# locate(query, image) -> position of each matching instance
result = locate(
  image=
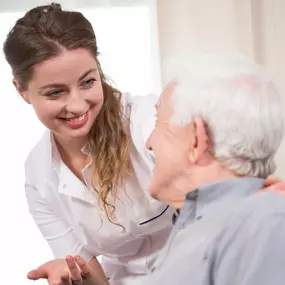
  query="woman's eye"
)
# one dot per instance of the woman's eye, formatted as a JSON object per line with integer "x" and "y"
{"x": 89, "y": 83}
{"x": 54, "y": 93}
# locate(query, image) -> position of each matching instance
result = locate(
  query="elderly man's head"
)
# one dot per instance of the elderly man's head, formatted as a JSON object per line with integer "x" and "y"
{"x": 219, "y": 117}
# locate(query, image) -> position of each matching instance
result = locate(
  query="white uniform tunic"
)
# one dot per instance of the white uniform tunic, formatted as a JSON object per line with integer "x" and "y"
{"x": 67, "y": 212}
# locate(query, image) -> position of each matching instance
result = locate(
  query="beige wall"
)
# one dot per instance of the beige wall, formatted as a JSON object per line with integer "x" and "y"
{"x": 254, "y": 27}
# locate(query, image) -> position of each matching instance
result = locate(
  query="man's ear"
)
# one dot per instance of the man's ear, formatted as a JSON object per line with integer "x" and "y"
{"x": 199, "y": 140}
{"x": 21, "y": 92}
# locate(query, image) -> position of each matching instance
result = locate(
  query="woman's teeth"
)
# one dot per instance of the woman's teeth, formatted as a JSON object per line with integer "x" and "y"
{"x": 77, "y": 119}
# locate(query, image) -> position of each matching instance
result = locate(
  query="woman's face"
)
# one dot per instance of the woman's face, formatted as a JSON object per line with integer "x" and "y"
{"x": 66, "y": 93}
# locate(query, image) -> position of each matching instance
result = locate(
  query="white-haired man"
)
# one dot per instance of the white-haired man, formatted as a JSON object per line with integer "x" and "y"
{"x": 219, "y": 125}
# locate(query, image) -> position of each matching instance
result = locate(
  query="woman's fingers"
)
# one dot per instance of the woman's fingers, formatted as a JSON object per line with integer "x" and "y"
{"x": 75, "y": 274}
{"x": 271, "y": 180}
{"x": 84, "y": 267}
{"x": 65, "y": 278}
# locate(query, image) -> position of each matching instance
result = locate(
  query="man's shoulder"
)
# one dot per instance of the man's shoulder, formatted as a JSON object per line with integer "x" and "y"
{"x": 254, "y": 232}
{"x": 262, "y": 204}
{"x": 255, "y": 213}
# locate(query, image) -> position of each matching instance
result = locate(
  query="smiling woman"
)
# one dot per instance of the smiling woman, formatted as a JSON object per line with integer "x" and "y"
{"x": 66, "y": 93}
{"x": 119, "y": 62}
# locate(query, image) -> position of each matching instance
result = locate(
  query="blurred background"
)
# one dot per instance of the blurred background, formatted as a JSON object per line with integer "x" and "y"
{"x": 134, "y": 38}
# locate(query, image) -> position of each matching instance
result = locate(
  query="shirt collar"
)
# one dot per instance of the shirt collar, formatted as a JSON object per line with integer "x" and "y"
{"x": 201, "y": 199}
{"x": 175, "y": 216}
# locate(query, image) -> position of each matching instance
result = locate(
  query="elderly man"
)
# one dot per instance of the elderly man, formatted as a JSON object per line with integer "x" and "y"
{"x": 219, "y": 125}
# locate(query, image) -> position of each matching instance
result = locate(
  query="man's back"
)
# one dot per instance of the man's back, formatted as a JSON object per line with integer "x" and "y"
{"x": 226, "y": 235}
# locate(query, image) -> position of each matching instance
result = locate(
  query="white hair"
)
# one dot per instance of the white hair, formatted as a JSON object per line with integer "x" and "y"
{"x": 239, "y": 104}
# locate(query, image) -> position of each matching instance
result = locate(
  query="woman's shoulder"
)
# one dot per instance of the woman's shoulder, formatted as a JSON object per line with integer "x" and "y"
{"x": 140, "y": 110}
{"x": 138, "y": 102}
{"x": 40, "y": 155}
{"x": 141, "y": 113}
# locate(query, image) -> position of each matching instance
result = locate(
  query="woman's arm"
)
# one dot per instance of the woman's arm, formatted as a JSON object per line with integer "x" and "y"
{"x": 57, "y": 232}
{"x": 60, "y": 237}
{"x": 72, "y": 269}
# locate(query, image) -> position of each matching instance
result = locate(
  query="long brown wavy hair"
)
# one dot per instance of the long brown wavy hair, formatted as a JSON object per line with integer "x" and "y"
{"x": 43, "y": 33}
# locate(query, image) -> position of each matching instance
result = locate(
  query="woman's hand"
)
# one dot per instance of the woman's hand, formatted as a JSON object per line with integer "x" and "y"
{"x": 51, "y": 270}
{"x": 71, "y": 271}
{"x": 77, "y": 272}
{"x": 81, "y": 272}
{"x": 274, "y": 184}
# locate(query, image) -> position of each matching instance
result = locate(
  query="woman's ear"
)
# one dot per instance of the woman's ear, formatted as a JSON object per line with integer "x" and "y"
{"x": 21, "y": 92}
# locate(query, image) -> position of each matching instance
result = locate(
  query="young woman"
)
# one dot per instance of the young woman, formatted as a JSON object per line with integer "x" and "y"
{"x": 87, "y": 178}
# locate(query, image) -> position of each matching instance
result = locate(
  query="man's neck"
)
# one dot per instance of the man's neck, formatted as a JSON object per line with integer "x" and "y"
{"x": 197, "y": 177}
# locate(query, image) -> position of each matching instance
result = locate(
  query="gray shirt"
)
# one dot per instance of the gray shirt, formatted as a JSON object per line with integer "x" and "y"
{"x": 225, "y": 235}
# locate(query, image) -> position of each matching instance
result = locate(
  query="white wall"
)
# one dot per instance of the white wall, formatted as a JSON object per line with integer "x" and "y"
{"x": 254, "y": 27}
{"x": 129, "y": 57}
